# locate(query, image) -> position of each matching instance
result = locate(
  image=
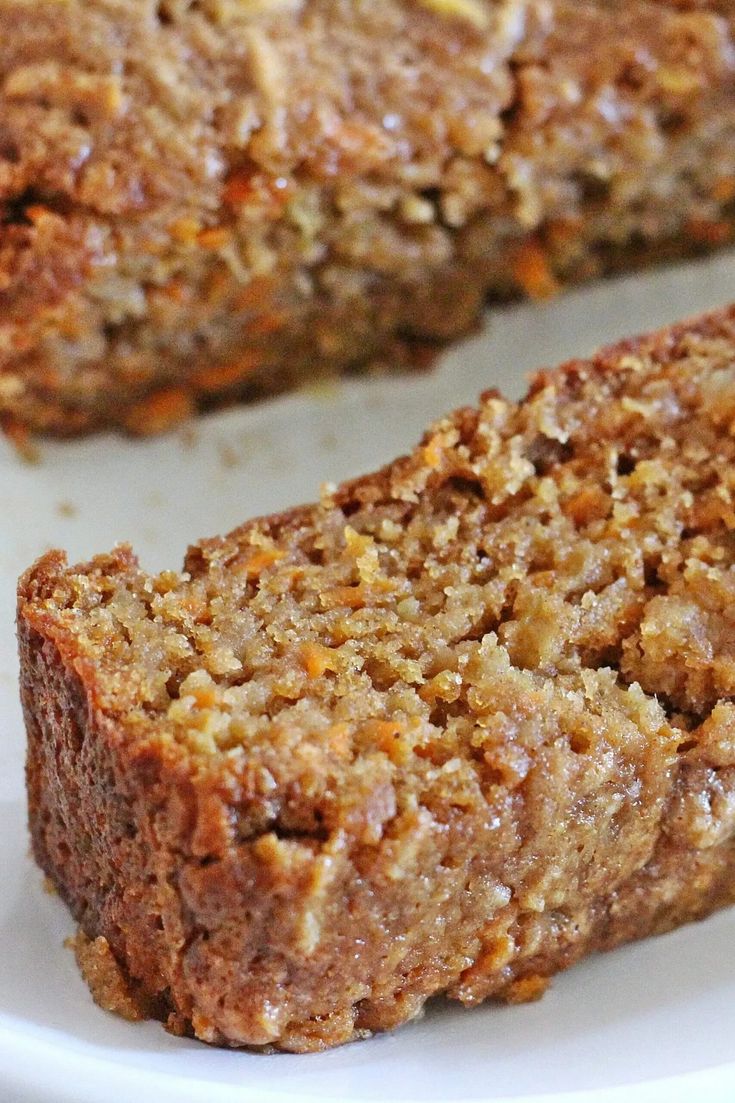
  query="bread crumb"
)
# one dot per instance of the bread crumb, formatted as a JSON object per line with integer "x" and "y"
{"x": 67, "y": 509}
{"x": 228, "y": 456}
{"x": 109, "y": 986}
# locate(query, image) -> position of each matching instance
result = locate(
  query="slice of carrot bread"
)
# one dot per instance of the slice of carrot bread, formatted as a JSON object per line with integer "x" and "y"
{"x": 210, "y": 198}
{"x": 464, "y": 721}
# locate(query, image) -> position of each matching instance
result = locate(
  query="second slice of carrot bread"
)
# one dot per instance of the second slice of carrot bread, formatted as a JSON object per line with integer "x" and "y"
{"x": 459, "y": 724}
{"x": 220, "y": 198}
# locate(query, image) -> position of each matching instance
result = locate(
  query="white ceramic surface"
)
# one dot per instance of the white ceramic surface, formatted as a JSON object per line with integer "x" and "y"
{"x": 652, "y": 1022}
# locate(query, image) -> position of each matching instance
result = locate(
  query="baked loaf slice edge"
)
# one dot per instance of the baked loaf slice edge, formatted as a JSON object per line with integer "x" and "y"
{"x": 454, "y": 727}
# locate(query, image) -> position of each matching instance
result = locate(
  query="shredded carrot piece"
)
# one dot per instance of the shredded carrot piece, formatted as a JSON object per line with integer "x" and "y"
{"x": 432, "y": 453}
{"x": 160, "y": 411}
{"x": 589, "y": 504}
{"x": 22, "y": 340}
{"x": 259, "y": 561}
{"x": 72, "y": 329}
{"x": 217, "y": 376}
{"x": 185, "y": 230}
{"x": 531, "y": 270}
{"x": 317, "y": 659}
{"x": 257, "y": 293}
{"x": 723, "y": 190}
{"x": 351, "y": 596}
{"x": 214, "y": 237}
{"x": 560, "y": 231}
{"x": 386, "y": 734}
{"x": 495, "y": 955}
{"x": 239, "y": 188}
{"x": 205, "y": 696}
{"x": 175, "y": 290}
{"x": 708, "y": 509}
{"x": 268, "y": 323}
{"x": 526, "y": 989}
{"x": 244, "y": 186}
{"x": 36, "y": 212}
{"x": 678, "y": 79}
{"x": 49, "y": 375}
{"x": 709, "y": 231}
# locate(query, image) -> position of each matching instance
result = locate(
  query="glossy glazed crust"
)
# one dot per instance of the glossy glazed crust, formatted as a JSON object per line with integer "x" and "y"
{"x": 207, "y": 201}
{"x": 307, "y": 903}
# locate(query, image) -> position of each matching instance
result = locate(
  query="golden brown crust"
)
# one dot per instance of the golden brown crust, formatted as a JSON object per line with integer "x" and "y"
{"x": 107, "y": 982}
{"x": 210, "y": 200}
{"x": 463, "y": 722}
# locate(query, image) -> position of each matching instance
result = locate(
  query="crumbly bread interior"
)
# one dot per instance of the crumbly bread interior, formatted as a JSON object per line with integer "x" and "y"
{"x": 460, "y": 722}
{"x": 525, "y": 565}
{"x": 201, "y": 199}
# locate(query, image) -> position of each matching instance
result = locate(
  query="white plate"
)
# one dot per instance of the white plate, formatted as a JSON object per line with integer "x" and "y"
{"x": 651, "y": 1022}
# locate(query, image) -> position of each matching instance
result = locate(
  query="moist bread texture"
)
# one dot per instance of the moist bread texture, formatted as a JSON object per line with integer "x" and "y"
{"x": 459, "y": 724}
{"x": 204, "y": 199}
